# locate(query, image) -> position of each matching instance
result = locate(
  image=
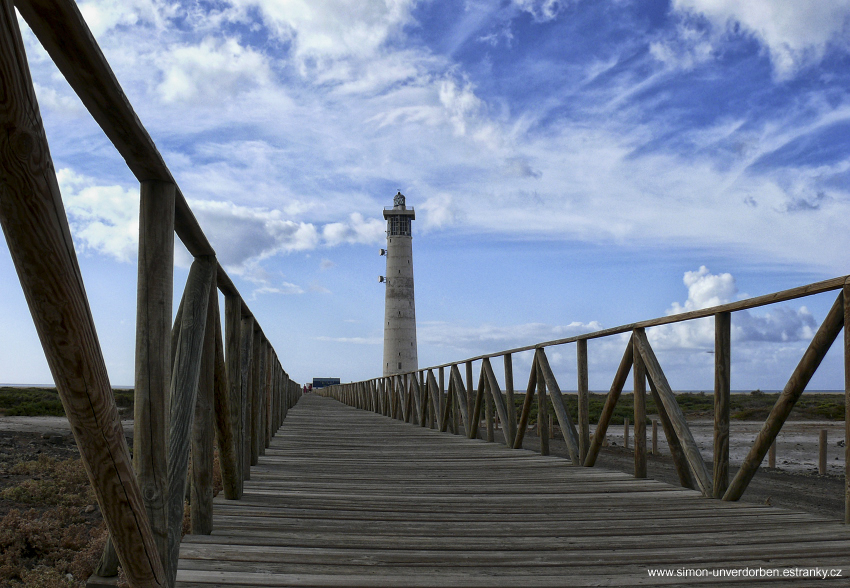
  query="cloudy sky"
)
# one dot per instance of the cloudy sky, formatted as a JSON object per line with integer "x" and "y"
{"x": 573, "y": 164}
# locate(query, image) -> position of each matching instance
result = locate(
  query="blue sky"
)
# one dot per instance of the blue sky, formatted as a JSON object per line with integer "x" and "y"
{"x": 574, "y": 165}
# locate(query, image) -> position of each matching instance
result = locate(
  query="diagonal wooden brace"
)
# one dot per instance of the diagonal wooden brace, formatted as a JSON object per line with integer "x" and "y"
{"x": 568, "y": 429}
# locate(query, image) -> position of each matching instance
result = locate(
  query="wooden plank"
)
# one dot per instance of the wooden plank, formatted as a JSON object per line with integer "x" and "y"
{"x": 184, "y": 388}
{"x": 347, "y": 498}
{"x": 201, "y": 474}
{"x": 722, "y": 390}
{"x": 674, "y": 413}
{"x": 40, "y": 244}
{"x": 568, "y": 430}
{"x": 815, "y": 352}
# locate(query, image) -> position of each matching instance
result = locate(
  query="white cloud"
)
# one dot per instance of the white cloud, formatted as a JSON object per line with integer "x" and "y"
{"x": 489, "y": 338}
{"x": 356, "y": 230}
{"x": 439, "y": 211}
{"x": 326, "y": 264}
{"x": 352, "y": 340}
{"x": 795, "y": 32}
{"x": 103, "y": 15}
{"x": 778, "y": 324}
{"x": 103, "y": 219}
{"x": 541, "y": 10}
{"x": 333, "y": 28}
{"x": 242, "y": 233}
{"x": 213, "y": 70}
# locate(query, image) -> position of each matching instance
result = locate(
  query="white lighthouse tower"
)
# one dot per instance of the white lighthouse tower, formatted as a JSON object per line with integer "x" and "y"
{"x": 400, "y": 311}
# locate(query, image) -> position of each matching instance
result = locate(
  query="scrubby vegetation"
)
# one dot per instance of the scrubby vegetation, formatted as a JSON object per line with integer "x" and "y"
{"x": 51, "y": 536}
{"x": 45, "y": 401}
{"x": 753, "y": 406}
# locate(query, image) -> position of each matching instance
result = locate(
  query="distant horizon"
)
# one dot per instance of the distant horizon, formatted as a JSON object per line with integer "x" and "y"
{"x": 518, "y": 391}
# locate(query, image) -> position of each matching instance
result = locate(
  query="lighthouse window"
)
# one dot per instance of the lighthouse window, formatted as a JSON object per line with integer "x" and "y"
{"x": 398, "y": 225}
{"x": 399, "y": 365}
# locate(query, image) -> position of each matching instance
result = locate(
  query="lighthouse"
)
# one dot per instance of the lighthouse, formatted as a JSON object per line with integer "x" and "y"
{"x": 400, "y": 312}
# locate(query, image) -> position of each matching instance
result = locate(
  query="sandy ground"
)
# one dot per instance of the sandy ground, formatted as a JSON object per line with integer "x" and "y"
{"x": 51, "y": 425}
{"x": 796, "y": 445}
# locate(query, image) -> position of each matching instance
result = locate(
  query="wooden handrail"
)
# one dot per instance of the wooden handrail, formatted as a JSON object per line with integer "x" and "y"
{"x": 639, "y": 359}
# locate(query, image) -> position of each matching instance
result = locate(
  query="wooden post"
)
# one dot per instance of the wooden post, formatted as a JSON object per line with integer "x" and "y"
{"x": 810, "y": 361}
{"x": 496, "y": 396}
{"x": 256, "y": 392}
{"x": 477, "y": 404}
{"x": 225, "y": 432}
{"x": 233, "y": 359}
{"x": 469, "y": 390}
{"x": 246, "y": 352}
{"x": 626, "y": 432}
{"x": 583, "y": 406}
{"x": 509, "y": 426}
{"x": 39, "y": 239}
{"x": 674, "y": 413}
{"x": 184, "y": 388}
{"x": 462, "y": 396}
{"x": 542, "y": 413}
{"x": 488, "y": 415}
{"x": 568, "y": 429}
{"x": 654, "y": 436}
{"x": 771, "y": 455}
{"x": 722, "y": 387}
{"x": 200, "y": 505}
{"x": 639, "y": 374}
{"x": 847, "y": 403}
{"x": 822, "y": 452}
{"x": 610, "y": 403}
{"x": 153, "y": 351}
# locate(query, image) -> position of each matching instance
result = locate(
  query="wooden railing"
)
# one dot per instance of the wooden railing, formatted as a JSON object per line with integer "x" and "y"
{"x": 193, "y": 385}
{"x": 421, "y": 398}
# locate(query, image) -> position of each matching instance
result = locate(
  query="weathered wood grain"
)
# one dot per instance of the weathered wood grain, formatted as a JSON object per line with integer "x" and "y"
{"x": 246, "y": 353}
{"x": 153, "y": 351}
{"x": 226, "y": 396}
{"x": 39, "y": 239}
{"x": 184, "y": 388}
{"x": 200, "y": 504}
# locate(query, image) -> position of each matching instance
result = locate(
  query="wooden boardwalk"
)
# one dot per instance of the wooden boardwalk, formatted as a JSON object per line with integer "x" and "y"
{"x": 344, "y": 498}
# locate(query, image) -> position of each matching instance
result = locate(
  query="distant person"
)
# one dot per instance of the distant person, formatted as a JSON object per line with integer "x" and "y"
{"x": 305, "y": 389}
